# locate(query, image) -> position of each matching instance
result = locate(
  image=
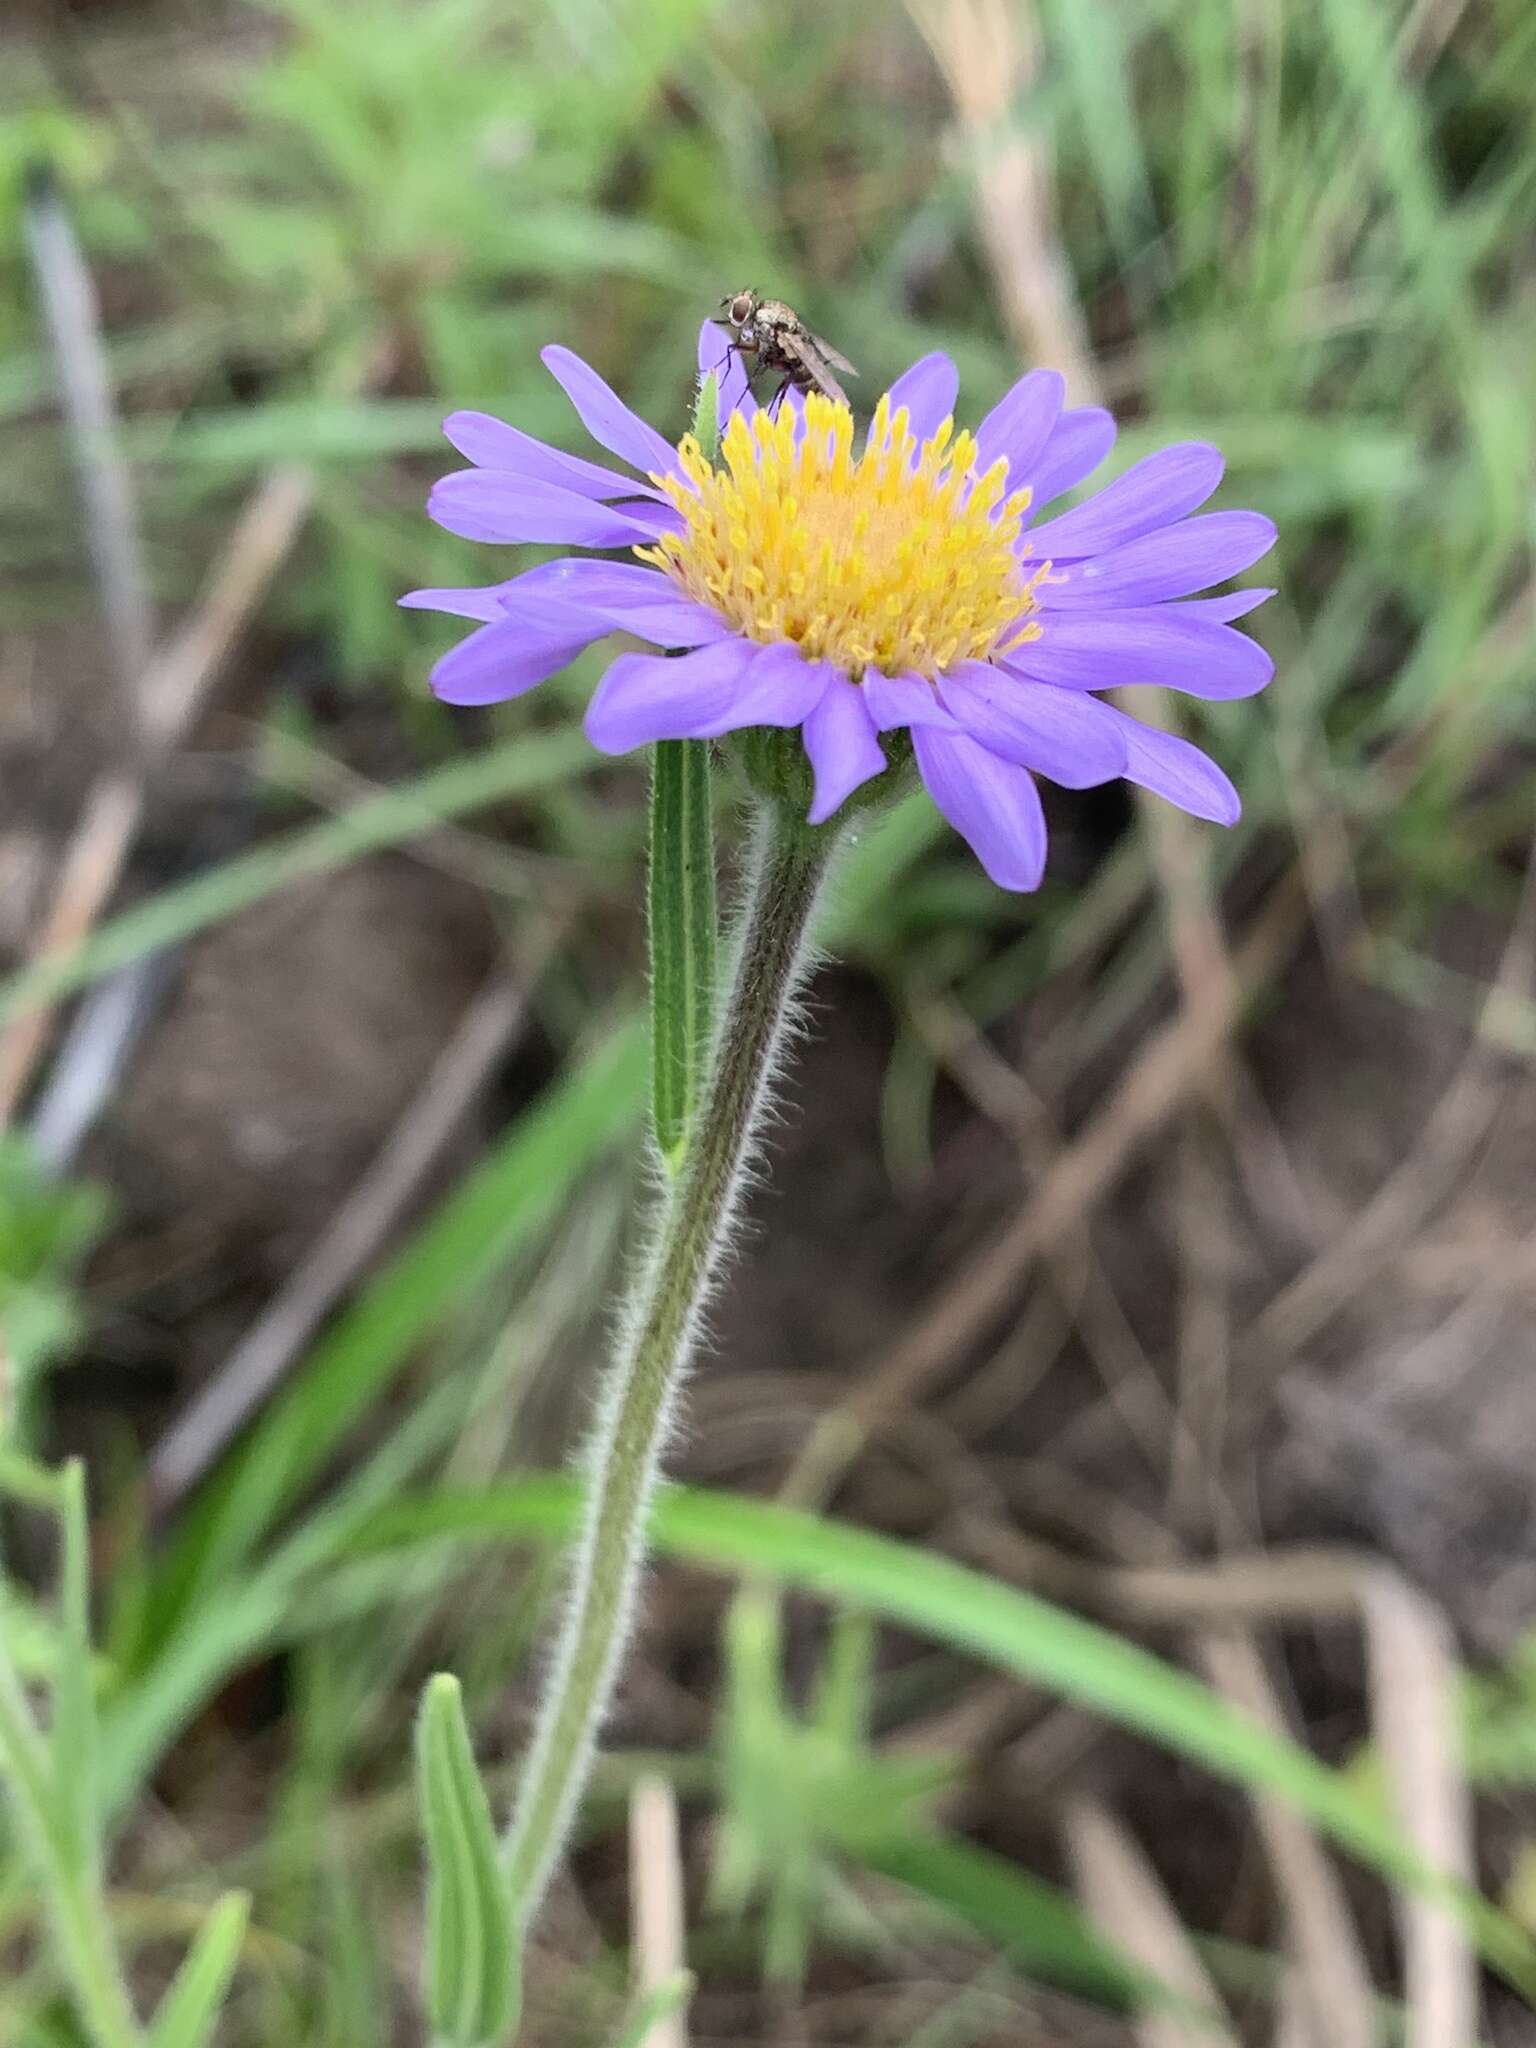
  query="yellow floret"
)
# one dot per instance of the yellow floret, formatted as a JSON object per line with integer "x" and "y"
{"x": 900, "y": 558}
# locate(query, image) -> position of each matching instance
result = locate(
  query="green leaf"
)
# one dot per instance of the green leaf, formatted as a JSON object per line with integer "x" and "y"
{"x": 46, "y": 1229}
{"x": 73, "y": 1739}
{"x": 471, "y": 1969}
{"x": 682, "y": 939}
{"x": 1094, "y": 48}
{"x": 190, "y": 2009}
{"x": 706, "y": 416}
{"x": 798, "y": 1797}
{"x": 845, "y": 1681}
{"x": 529, "y": 763}
{"x": 508, "y": 1196}
{"x": 1014, "y": 1630}
{"x": 652, "y": 2007}
{"x": 1036, "y": 1926}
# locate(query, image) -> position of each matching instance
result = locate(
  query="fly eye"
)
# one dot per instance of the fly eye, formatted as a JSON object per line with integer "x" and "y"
{"x": 741, "y": 309}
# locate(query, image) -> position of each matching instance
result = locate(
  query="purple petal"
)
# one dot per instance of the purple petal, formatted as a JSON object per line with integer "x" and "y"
{"x": 505, "y": 659}
{"x": 1171, "y": 767}
{"x": 646, "y": 697}
{"x": 719, "y": 353}
{"x": 1104, "y": 653}
{"x": 1153, "y": 492}
{"x": 782, "y": 688}
{"x": 903, "y": 700}
{"x": 840, "y": 740}
{"x": 483, "y": 602}
{"x": 635, "y": 600}
{"x": 928, "y": 391}
{"x": 1020, "y": 424}
{"x": 1064, "y": 734}
{"x": 584, "y": 580}
{"x": 491, "y": 504}
{"x": 680, "y": 623}
{"x": 605, "y": 415}
{"x": 1169, "y": 563}
{"x": 699, "y": 696}
{"x": 1232, "y": 604}
{"x": 490, "y": 443}
{"x": 991, "y": 804}
{"x": 1078, "y": 443}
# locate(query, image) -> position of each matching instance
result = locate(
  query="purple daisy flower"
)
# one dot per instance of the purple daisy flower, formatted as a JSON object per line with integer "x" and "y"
{"x": 852, "y": 593}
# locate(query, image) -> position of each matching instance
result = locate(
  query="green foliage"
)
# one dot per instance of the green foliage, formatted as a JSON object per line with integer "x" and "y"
{"x": 650, "y": 2010}
{"x": 470, "y": 1970}
{"x": 380, "y": 821}
{"x": 682, "y": 934}
{"x": 1021, "y": 1634}
{"x": 808, "y": 1803}
{"x": 208, "y": 1609}
{"x": 46, "y": 1230}
{"x": 1499, "y": 1720}
{"x": 1294, "y": 235}
{"x": 54, "y": 1788}
{"x": 190, "y": 2010}
{"x": 798, "y": 1797}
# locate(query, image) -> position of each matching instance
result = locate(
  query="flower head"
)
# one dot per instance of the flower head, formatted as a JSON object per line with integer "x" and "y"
{"x": 850, "y": 590}
{"x": 899, "y": 558}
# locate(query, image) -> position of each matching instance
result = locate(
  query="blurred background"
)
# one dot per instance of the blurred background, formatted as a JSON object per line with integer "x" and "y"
{"x": 1160, "y": 1244}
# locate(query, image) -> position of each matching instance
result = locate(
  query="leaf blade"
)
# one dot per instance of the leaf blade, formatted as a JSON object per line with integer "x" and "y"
{"x": 190, "y": 2009}
{"x": 682, "y": 928}
{"x": 1004, "y": 1626}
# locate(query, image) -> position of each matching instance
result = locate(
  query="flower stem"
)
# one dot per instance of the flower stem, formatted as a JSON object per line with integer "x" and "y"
{"x": 657, "y": 1336}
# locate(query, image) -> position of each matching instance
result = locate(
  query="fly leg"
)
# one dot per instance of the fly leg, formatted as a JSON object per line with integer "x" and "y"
{"x": 734, "y": 350}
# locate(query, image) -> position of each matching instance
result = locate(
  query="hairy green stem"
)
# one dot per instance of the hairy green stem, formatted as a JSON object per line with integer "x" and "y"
{"x": 658, "y": 1334}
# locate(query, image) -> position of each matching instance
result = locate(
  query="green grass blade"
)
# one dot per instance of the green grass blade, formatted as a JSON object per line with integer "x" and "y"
{"x": 652, "y": 2007}
{"x": 72, "y": 1740}
{"x": 510, "y": 1195}
{"x": 533, "y": 762}
{"x": 1094, "y": 47}
{"x": 1014, "y": 1630}
{"x": 191, "y": 2007}
{"x": 1040, "y": 1929}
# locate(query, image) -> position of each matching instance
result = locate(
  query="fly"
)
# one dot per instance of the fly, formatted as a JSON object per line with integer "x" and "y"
{"x": 779, "y": 339}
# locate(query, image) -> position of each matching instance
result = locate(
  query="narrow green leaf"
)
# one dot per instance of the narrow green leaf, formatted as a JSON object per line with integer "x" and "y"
{"x": 24, "y": 1479}
{"x": 523, "y": 765}
{"x": 471, "y": 1969}
{"x": 509, "y": 1196}
{"x": 706, "y": 416}
{"x": 190, "y": 2010}
{"x": 1094, "y": 47}
{"x": 73, "y": 1747}
{"x": 841, "y": 1707}
{"x": 1038, "y": 1928}
{"x": 682, "y": 939}
{"x": 755, "y": 1738}
{"x": 652, "y": 2007}
{"x": 1014, "y": 1630}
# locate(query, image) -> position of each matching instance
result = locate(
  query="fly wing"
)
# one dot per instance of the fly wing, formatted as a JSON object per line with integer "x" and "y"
{"x": 838, "y": 362}
{"x": 815, "y": 360}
